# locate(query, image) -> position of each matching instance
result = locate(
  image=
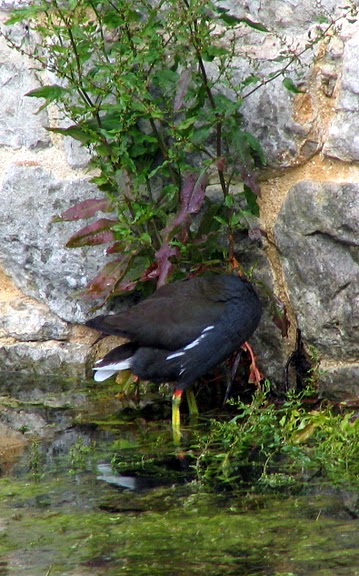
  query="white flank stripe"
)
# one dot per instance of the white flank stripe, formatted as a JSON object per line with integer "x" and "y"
{"x": 207, "y": 329}
{"x": 195, "y": 342}
{"x": 175, "y": 355}
{"x": 192, "y": 344}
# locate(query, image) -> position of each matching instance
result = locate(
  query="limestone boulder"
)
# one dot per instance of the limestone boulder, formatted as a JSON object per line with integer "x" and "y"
{"x": 32, "y": 247}
{"x": 45, "y": 358}
{"x": 27, "y": 320}
{"x": 317, "y": 236}
{"x": 343, "y": 140}
{"x": 21, "y": 122}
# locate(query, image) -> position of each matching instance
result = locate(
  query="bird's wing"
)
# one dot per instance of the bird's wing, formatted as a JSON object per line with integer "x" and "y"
{"x": 163, "y": 322}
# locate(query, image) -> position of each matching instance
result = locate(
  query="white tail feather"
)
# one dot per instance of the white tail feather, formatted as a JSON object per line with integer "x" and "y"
{"x": 104, "y": 372}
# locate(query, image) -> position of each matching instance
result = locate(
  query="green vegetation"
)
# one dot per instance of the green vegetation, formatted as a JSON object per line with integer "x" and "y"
{"x": 151, "y": 90}
{"x": 270, "y": 445}
{"x": 154, "y": 90}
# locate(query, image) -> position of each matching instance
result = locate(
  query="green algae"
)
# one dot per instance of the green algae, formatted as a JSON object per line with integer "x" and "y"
{"x": 60, "y": 516}
{"x": 75, "y": 524}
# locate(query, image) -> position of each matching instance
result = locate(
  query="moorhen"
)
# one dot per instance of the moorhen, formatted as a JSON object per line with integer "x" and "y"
{"x": 180, "y": 332}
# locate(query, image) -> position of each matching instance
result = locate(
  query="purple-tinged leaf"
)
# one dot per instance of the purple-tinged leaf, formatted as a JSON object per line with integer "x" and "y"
{"x": 98, "y": 232}
{"x": 250, "y": 179}
{"x": 125, "y": 286}
{"x": 116, "y": 248}
{"x": 150, "y": 273}
{"x": 182, "y": 88}
{"x": 165, "y": 266}
{"x": 105, "y": 282}
{"x": 85, "y": 209}
{"x": 194, "y": 197}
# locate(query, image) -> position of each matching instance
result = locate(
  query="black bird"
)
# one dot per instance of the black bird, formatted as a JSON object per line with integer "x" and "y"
{"x": 180, "y": 332}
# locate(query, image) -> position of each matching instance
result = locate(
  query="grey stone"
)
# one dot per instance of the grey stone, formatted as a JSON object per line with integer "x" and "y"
{"x": 272, "y": 113}
{"x": 340, "y": 383}
{"x": 317, "y": 235}
{"x": 32, "y": 248}
{"x": 45, "y": 358}
{"x": 20, "y": 122}
{"x": 27, "y": 320}
{"x": 269, "y": 116}
{"x": 343, "y": 139}
{"x": 290, "y": 16}
{"x": 11, "y": 4}
{"x": 77, "y": 155}
{"x": 21, "y": 420}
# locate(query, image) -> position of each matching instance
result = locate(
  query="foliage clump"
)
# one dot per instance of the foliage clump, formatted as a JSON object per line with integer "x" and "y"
{"x": 275, "y": 445}
{"x": 154, "y": 90}
{"x": 149, "y": 88}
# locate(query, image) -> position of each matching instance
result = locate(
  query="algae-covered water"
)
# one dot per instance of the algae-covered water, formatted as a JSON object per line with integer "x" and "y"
{"x": 64, "y": 510}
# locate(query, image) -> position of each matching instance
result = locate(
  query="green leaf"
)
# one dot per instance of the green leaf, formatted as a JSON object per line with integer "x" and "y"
{"x": 255, "y": 25}
{"x": 212, "y": 52}
{"x": 166, "y": 79}
{"x": 229, "y": 201}
{"x": 75, "y": 132}
{"x": 24, "y": 14}
{"x": 227, "y": 18}
{"x": 201, "y": 135}
{"x": 252, "y": 79}
{"x": 256, "y": 147}
{"x": 187, "y": 123}
{"x": 251, "y": 199}
{"x": 221, "y": 220}
{"x": 50, "y": 93}
{"x": 289, "y": 85}
{"x": 234, "y": 20}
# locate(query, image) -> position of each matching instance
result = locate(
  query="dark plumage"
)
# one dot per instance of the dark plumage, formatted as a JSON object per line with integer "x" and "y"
{"x": 182, "y": 331}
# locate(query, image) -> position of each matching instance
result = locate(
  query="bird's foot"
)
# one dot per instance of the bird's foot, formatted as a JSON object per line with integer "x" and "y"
{"x": 255, "y": 375}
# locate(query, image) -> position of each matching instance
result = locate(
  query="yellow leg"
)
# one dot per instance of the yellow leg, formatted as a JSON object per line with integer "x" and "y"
{"x": 192, "y": 404}
{"x": 176, "y": 417}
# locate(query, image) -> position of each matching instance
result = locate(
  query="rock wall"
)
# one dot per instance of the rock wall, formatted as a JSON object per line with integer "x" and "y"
{"x": 309, "y": 204}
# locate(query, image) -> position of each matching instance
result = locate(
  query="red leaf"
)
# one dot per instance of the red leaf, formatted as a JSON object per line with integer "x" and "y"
{"x": 98, "y": 232}
{"x": 105, "y": 282}
{"x": 193, "y": 193}
{"x": 150, "y": 273}
{"x": 165, "y": 266}
{"x": 85, "y": 209}
{"x": 116, "y": 248}
{"x": 125, "y": 286}
{"x": 192, "y": 196}
{"x": 249, "y": 178}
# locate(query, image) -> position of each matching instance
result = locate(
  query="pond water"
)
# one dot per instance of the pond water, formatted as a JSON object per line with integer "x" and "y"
{"x": 64, "y": 510}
